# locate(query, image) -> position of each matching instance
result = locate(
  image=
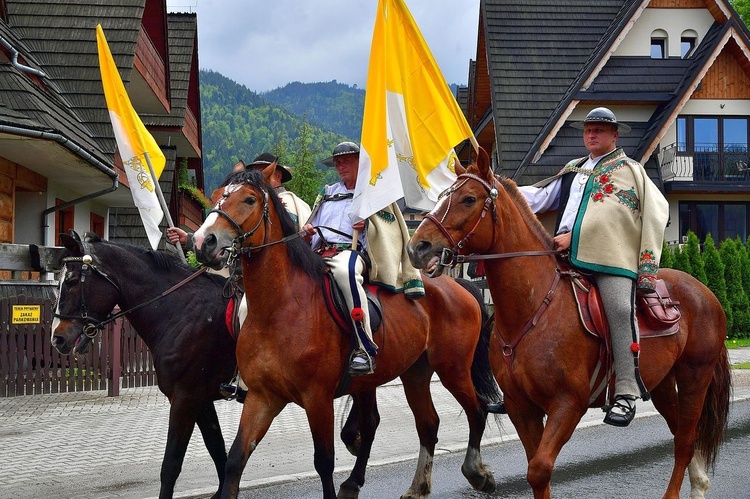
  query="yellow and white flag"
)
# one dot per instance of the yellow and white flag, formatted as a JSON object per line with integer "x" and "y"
{"x": 411, "y": 120}
{"x": 133, "y": 143}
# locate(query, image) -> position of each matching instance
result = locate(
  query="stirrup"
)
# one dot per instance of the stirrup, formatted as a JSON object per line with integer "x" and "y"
{"x": 622, "y": 411}
{"x": 232, "y": 391}
{"x": 496, "y": 407}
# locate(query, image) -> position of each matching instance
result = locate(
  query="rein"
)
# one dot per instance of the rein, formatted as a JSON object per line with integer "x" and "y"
{"x": 92, "y": 326}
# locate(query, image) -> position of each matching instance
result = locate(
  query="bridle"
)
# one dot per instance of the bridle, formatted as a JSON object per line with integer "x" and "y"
{"x": 237, "y": 247}
{"x": 91, "y": 325}
{"x": 451, "y": 257}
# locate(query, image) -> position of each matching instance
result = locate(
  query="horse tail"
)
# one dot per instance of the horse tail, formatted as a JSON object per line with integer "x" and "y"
{"x": 481, "y": 371}
{"x": 713, "y": 421}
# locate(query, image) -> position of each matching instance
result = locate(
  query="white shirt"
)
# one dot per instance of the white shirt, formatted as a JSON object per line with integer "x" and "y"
{"x": 336, "y": 214}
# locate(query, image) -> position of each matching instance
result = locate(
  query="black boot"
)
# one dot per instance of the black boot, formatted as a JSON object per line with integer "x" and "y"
{"x": 622, "y": 411}
{"x": 232, "y": 390}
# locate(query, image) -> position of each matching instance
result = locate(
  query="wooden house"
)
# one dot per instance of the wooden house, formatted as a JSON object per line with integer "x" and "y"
{"x": 59, "y": 165}
{"x": 676, "y": 71}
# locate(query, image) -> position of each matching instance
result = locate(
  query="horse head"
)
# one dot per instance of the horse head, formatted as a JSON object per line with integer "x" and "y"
{"x": 458, "y": 223}
{"x": 86, "y": 295}
{"x": 239, "y": 218}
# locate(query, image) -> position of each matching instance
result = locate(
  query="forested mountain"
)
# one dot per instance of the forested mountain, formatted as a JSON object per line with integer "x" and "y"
{"x": 239, "y": 124}
{"x": 331, "y": 105}
{"x": 300, "y": 122}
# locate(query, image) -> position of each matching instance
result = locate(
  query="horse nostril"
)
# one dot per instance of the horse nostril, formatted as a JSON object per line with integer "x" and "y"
{"x": 57, "y": 340}
{"x": 424, "y": 248}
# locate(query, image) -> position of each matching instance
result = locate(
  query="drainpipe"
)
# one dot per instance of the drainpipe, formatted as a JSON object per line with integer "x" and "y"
{"x": 76, "y": 149}
{"x": 18, "y": 65}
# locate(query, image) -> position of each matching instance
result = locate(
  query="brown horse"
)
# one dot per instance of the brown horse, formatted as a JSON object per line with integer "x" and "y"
{"x": 547, "y": 368}
{"x": 290, "y": 349}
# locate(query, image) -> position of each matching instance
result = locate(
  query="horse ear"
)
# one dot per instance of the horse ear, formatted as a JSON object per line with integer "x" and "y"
{"x": 72, "y": 244}
{"x": 269, "y": 171}
{"x": 458, "y": 167}
{"x": 483, "y": 164}
{"x": 91, "y": 237}
{"x": 239, "y": 166}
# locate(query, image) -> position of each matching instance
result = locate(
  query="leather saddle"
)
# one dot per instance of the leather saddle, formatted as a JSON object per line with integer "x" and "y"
{"x": 658, "y": 315}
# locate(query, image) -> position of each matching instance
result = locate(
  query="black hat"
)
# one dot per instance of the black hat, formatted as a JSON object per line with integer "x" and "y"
{"x": 601, "y": 115}
{"x": 341, "y": 150}
{"x": 266, "y": 159}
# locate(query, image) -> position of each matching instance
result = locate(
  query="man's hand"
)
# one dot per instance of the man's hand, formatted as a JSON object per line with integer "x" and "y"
{"x": 562, "y": 241}
{"x": 175, "y": 235}
{"x": 309, "y": 232}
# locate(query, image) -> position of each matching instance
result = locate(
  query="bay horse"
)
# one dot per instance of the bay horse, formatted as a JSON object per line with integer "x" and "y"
{"x": 185, "y": 331}
{"x": 548, "y": 369}
{"x": 291, "y": 351}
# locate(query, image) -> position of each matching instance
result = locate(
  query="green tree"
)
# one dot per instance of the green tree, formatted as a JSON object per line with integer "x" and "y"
{"x": 743, "y": 9}
{"x": 735, "y": 293}
{"x": 681, "y": 260}
{"x": 693, "y": 250}
{"x": 667, "y": 257}
{"x": 715, "y": 275}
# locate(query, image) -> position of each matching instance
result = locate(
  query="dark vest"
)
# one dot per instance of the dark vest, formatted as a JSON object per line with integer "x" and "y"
{"x": 567, "y": 181}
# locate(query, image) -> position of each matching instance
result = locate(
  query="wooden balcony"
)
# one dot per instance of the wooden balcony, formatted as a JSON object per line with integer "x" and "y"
{"x": 190, "y": 211}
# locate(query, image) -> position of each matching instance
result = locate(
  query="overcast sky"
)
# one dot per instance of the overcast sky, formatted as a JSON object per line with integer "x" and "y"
{"x": 264, "y": 44}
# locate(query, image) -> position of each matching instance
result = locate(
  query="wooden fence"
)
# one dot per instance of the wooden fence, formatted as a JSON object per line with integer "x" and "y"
{"x": 30, "y": 365}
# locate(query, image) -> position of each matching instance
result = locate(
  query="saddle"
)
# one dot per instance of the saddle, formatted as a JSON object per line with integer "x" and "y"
{"x": 658, "y": 315}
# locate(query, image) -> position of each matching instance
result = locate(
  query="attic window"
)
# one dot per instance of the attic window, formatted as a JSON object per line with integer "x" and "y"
{"x": 688, "y": 41}
{"x": 659, "y": 44}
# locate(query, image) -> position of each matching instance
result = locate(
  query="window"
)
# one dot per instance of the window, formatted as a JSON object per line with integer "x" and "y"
{"x": 718, "y": 146}
{"x": 723, "y": 220}
{"x": 659, "y": 44}
{"x": 688, "y": 41}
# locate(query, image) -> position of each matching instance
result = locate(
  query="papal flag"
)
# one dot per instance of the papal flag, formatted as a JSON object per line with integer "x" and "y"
{"x": 134, "y": 142}
{"x": 411, "y": 120}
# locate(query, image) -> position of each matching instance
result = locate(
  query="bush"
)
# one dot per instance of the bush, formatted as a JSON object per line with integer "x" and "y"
{"x": 715, "y": 276}
{"x": 681, "y": 260}
{"x": 733, "y": 277}
{"x": 667, "y": 257}
{"x": 693, "y": 251}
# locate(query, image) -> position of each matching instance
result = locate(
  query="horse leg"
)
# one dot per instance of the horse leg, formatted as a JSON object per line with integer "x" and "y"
{"x": 182, "y": 417}
{"x": 257, "y": 415}
{"x": 369, "y": 419}
{"x": 417, "y": 390}
{"x": 692, "y": 385}
{"x": 561, "y": 422}
{"x": 461, "y": 387}
{"x": 320, "y": 418}
{"x": 350, "y": 433}
{"x": 208, "y": 423}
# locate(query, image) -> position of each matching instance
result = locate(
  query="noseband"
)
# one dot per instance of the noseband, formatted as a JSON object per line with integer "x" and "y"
{"x": 449, "y": 257}
{"x": 91, "y": 325}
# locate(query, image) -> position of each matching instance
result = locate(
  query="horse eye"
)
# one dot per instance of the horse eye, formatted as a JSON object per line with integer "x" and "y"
{"x": 250, "y": 200}
{"x": 72, "y": 281}
{"x": 469, "y": 200}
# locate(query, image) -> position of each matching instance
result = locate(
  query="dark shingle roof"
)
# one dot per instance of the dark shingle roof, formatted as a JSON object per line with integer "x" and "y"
{"x": 637, "y": 79}
{"x": 535, "y": 50}
{"x": 61, "y": 35}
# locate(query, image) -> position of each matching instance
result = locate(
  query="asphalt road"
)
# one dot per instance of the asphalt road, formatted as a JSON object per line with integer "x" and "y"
{"x": 599, "y": 461}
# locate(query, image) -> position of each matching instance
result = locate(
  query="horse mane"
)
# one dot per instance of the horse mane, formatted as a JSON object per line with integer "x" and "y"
{"x": 162, "y": 260}
{"x": 523, "y": 206}
{"x": 299, "y": 251}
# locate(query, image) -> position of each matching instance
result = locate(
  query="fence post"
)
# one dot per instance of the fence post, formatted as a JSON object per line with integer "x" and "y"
{"x": 115, "y": 353}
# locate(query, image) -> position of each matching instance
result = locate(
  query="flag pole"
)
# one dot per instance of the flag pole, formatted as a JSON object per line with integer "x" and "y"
{"x": 163, "y": 203}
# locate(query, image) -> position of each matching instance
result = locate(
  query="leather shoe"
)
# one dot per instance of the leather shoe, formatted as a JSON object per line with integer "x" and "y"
{"x": 622, "y": 411}
{"x": 360, "y": 364}
{"x": 231, "y": 391}
{"x": 496, "y": 408}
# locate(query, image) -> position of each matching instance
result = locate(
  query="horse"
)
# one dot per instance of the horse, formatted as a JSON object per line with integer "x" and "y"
{"x": 290, "y": 350}
{"x": 185, "y": 330}
{"x": 544, "y": 361}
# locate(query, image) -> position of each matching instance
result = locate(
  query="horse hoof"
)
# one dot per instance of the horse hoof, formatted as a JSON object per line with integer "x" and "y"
{"x": 354, "y": 446}
{"x": 414, "y": 495}
{"x": 348, "y": 490}
{"x": 484, "y": 481}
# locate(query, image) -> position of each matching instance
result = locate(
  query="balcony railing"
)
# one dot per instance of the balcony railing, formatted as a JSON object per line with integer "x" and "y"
{"x": 706, "y": 164}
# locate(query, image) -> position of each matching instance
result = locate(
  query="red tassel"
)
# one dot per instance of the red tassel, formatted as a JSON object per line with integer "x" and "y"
{"x": 358, "y": 314}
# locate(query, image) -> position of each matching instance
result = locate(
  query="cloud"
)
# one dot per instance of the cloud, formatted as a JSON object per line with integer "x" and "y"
{"x": 264, "y": 44}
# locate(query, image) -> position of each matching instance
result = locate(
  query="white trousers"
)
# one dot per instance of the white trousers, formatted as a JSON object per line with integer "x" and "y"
{"x": 347, "y": 268}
